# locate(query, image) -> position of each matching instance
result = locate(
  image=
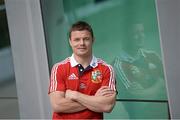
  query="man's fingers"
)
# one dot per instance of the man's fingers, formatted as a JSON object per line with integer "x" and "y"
{"x": 106, "y": 91}
{"x": 103, "y": 91}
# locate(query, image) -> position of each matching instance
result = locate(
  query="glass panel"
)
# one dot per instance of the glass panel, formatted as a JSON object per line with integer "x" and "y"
{"x": 139, "y": 110}
{"x": 8, "y": 95}
{"x": 4, "y": 34}
{"x": 127, "y": 37}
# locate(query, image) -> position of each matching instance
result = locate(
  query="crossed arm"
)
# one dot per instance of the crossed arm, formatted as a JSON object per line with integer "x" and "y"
{"x": 74, "y": 101}
{"x": 64, "y": 105}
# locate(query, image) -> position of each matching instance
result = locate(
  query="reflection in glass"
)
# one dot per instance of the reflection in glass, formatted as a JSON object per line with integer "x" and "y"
{"x": 139, "y": 71}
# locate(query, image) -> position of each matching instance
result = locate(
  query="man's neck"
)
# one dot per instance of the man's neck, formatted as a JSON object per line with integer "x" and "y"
{"x": 83, "y": 60}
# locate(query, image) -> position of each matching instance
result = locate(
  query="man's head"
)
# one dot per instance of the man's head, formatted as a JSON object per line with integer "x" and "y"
{"x": 134, "y": 36}
{"x": 138, "y": 34}
{"x": 80, "y": 26}
{"x": 81, "y": 39}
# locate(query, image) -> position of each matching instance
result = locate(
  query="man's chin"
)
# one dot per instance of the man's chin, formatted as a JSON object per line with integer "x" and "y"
{"x": 83, "y": 54}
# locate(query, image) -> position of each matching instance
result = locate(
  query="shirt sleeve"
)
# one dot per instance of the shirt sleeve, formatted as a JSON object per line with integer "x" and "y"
{"x": 109, "y": 78}
{"x": 57, "y": 81}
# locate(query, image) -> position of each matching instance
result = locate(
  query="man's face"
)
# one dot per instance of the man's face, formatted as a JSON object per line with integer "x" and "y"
{"x": 81, "y": 43}
{"x": 138, "y": 35}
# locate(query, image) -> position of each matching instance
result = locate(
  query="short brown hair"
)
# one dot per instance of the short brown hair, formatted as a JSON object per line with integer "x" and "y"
{"x": 79, "y": 26}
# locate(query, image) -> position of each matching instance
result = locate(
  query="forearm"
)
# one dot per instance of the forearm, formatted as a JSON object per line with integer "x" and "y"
{"x": 97, "y": 103}
{"x": 64, "y": 105}
{"x": 68, "y": 106}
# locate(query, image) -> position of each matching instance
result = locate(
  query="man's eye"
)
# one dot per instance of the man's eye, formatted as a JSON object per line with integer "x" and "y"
{"x": 76, "y": 39}
{"x": 86, "y": 38}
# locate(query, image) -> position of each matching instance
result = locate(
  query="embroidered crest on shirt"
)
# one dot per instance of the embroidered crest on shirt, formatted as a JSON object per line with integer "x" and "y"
{"x": 96, "y": 76}
{"x": 72, "y": 77}
{"x": 82, "y": 86}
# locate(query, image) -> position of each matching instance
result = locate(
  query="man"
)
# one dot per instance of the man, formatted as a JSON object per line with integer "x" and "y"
{"x": 139, "y": 73}
{"x": 81, "y": 86}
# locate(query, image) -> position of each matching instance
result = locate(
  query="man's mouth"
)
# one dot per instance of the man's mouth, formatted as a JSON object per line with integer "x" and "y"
{"x": 81, "y": 48}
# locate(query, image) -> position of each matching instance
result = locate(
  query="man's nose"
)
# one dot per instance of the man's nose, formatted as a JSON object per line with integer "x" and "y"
{"x": 82, "y": 42}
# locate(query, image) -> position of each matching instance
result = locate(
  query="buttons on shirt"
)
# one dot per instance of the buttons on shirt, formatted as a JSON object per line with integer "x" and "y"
{"x": 82, "y": 70}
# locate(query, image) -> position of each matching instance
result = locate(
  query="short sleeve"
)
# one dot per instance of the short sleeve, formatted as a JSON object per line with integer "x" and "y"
{"x": 57, "y": 81}
{"x": 109, "y": 78}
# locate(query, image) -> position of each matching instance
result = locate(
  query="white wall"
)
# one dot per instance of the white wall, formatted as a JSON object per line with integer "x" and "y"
{"x": 29, "y": 56}
{"x": 169, "y": 21}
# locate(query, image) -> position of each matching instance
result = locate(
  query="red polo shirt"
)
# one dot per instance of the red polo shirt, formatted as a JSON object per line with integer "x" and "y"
{"x": 69, "y": 74}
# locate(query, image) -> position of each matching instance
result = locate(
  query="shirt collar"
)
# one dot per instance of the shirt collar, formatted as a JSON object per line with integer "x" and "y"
{"x": 93, "y": 62}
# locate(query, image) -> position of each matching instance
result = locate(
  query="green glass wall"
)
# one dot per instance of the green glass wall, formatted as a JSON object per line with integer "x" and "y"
{"x": 127, "y": 37}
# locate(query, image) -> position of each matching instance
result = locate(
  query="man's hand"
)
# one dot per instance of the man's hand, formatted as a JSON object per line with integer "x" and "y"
{"x": 70, "y": 94}
{"x": 104, "y": 91}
